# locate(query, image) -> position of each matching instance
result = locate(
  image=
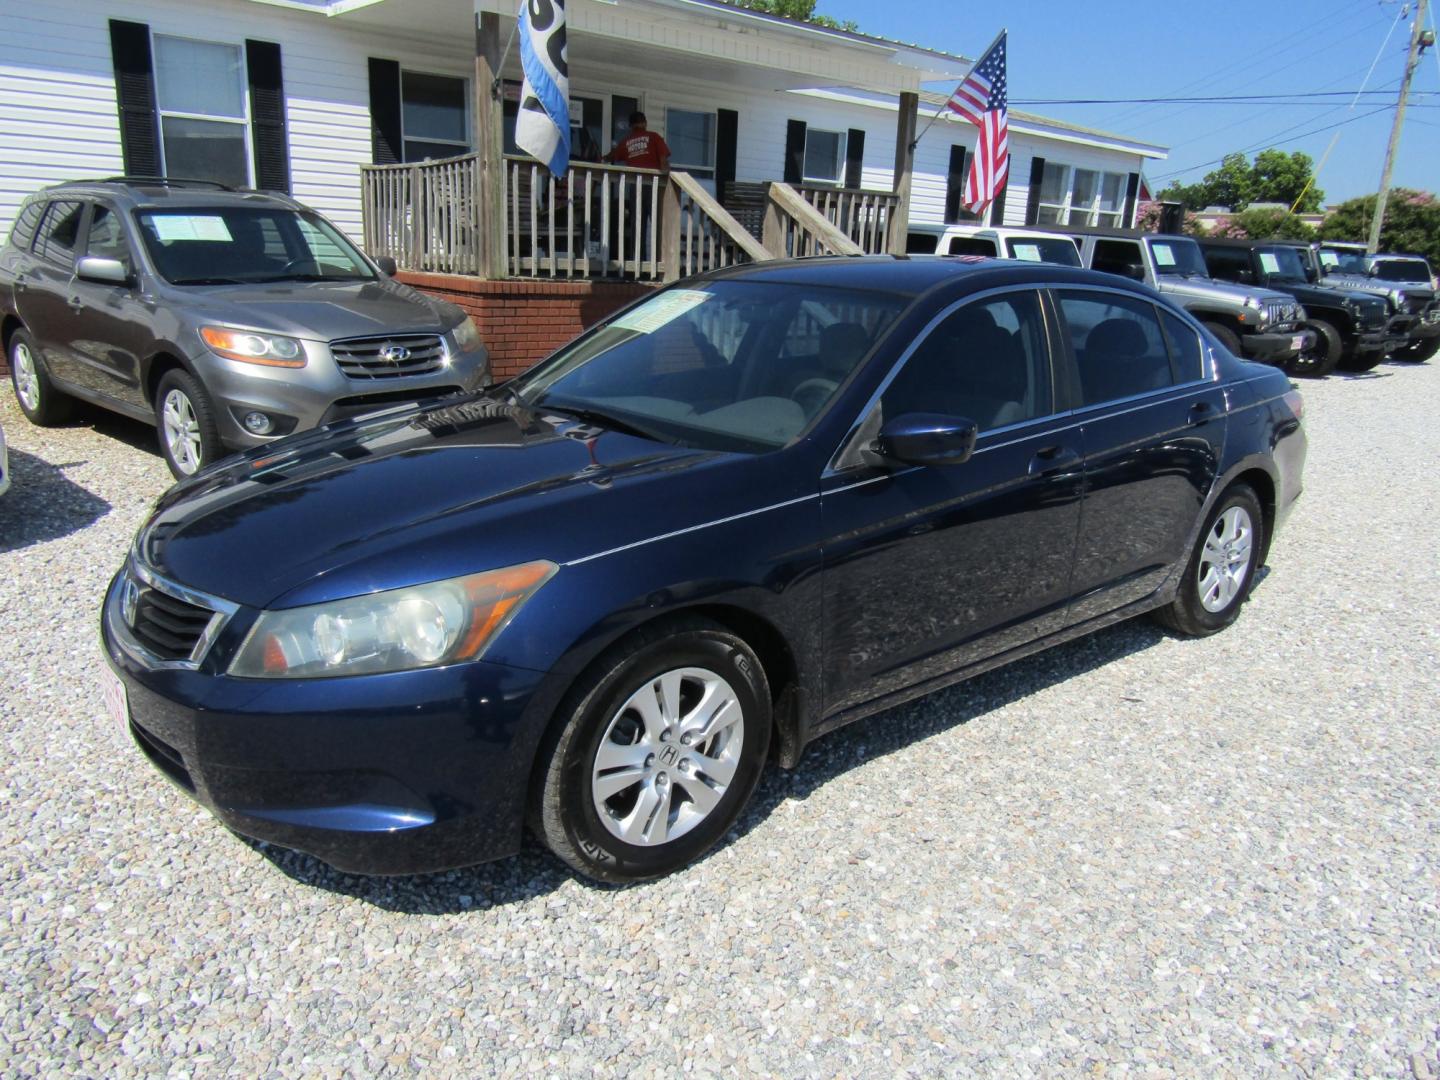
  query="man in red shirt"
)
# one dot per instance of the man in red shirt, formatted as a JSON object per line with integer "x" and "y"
{"x": 642, "y": 148}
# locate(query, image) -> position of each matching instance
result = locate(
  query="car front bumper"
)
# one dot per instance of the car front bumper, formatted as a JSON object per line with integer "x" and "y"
{"x": 1277, "y": 348}
{"x": 403, "y": 773}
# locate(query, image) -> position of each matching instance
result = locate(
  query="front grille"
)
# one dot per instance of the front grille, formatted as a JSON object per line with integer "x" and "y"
{"x": 168, "y": 627}
{"x": 395, "y": 356}
{"x": 346, "y": 407}
{"x": 1281, "y": 313}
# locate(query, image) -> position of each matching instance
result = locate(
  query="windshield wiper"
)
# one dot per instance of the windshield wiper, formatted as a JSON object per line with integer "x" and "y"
{"x": 600, "y": 418}
{"x": 312, "y": 277}
{"x": 208, "y": 281}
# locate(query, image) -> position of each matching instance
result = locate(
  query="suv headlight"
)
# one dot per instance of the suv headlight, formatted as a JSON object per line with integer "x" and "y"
{"x": 467, "y": 336}
{"x": 1252, "y": 302}
{"x": 1397, "y": 298}
{"x": 422, "y": 626}
{"x": 270, "y": 350}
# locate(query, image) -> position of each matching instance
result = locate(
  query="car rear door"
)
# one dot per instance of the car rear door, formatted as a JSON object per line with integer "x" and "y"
{"x": 43, "y": 304}
{"x": 109, "y": 330}
{"x": 928, "y": 569}
{"x": 1153, "y": 423}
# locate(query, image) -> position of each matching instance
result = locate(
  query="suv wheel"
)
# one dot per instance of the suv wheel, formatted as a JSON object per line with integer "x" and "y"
{"x": 1322, "y": 357}
{"x": 39, "y": 400}
{"x": 1227, "y": 337}
{"x": 1222, "y": 567}
{"x": 189, "y": 438}
{"x": 1418, "y": 352}
{"x": 661, "y": 747}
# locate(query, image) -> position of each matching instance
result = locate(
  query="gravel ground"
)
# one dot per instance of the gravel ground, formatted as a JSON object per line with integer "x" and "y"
{"x": 1133, "y": 854}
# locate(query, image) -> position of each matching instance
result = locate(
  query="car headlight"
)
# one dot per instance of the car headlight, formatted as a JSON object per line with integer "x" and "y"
{"x": 467, "y": 336}
{"x": 271, "y": 350}
{"x": 422, "y": 626}
{"x": 1397, "y": 298}
{"x": 1253, "y": 302}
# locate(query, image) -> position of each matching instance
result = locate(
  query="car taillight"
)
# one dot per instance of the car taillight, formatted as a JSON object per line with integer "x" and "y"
{"x": 1296, "y": 401}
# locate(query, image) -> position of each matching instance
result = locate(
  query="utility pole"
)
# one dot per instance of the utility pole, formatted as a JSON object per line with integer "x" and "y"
{"x": 1420, "y": 38}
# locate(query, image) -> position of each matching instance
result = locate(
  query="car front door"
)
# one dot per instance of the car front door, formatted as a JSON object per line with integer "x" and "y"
{"x": 931, "y": 568}
{"x": 43, "y": 303}
{"x": 109, "y": 331}
{"x": 1153, "y": 424}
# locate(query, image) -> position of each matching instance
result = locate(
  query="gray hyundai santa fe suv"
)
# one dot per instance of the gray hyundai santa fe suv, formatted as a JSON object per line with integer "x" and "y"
{"x": 227, "y": 318}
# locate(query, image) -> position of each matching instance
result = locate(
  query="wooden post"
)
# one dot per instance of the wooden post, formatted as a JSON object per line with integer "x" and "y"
{"x": 489, "y": 217}
{"x": 904, "y": 168}
{"x": 670, "y": 229}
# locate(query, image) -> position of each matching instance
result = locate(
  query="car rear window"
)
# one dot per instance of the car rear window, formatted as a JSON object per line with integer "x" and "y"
{"x": 22, "y": 233}
{"x": 1043, "y": 249}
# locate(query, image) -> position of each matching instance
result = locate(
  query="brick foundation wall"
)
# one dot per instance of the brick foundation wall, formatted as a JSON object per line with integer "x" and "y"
{"x": 522, "y": 321}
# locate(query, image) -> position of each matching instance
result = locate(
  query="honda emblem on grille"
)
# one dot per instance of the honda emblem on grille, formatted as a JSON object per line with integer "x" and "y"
{"x": 129, "y": 601}
{"x": 395, "y": 354}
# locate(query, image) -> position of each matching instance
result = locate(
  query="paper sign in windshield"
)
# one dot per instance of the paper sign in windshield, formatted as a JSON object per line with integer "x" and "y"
{"x": 1027, "y": 252}
{"x": 170, "y": 227}
{"x": 1269, "y": 262}
{"x": 665, "y": 308}
{"x": 1164, "y": 255}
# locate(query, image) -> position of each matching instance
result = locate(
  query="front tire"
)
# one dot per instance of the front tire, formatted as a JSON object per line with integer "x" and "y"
{"x": 661, "y": 747}
{"x": 1323, "y": 358}
{"x": 1227, "y": 337}
{"x": 1221, "y": 570}
{"x": 1417, "y": 352}
{"x": 189, "y": 437}
{"x": 41, "y": 403}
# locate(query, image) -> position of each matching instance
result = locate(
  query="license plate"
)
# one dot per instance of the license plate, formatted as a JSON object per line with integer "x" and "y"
{"x": 1297, "y": 342}
{"x": 117, "y": 706}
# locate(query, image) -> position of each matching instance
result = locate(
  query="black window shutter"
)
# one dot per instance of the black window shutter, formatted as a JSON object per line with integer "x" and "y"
{"x": 1132, "y": 198}
{"x": 727, "y": 135}
{"x": 854, "y": 157}
{"x": 267, "y": 116}
{"x": 997, "y": 211}
{"x": 387, "y": 144}
{"x": 1032, "y": 203}
{"x": 955, "y": 185}
{"x": 794, "y": 151}
{"x": 135, "y": 97}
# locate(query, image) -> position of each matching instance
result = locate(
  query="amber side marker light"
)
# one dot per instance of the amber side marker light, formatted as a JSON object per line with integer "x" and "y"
{"x": 1296, "y": 401}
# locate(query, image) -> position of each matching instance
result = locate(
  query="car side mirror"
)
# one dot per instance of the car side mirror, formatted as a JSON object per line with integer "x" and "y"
{"x": 387, "y": 265}
{"x": 927, "y": 439}
{"x": 102, "y": 271}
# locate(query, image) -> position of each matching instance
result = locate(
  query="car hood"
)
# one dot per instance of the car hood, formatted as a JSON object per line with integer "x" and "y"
{"x": 1362, "y": 283}
{"x": 1316, "y": 295}
{"x": 321, "y": 310}
{"x": 424, "y": 493}
{"x": 1210, "y": 289}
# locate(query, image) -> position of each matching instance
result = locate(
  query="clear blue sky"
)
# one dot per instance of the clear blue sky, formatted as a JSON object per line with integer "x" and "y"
{"x": 1109, "y": 49}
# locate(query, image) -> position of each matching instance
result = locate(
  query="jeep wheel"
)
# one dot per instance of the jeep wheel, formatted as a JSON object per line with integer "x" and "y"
{"x": 1322, "y": 357}
{"x": 1417, "y": 352}
{"x": 1226, "y": 337}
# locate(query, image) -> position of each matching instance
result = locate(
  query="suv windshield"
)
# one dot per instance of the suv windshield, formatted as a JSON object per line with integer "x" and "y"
{"x": 1043, "y": 249}
{"x": 1338, "y": 259}
{"x": 1402, "y": 270}
{"x": 1174, "y": 255}
{"x": 235, "y": 245}
{"x": 725, "y": 365}
{"x": 1281, "y": 265}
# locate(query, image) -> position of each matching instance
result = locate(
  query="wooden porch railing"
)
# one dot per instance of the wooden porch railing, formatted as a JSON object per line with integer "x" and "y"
{"x": 862, "y": 214}
{"x": 795, "y": 229}
{"x": 425, "y": 217}
{"x": 701, "y": 233}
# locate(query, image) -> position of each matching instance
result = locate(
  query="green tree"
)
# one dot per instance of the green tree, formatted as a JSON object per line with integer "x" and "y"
{"x": 1274, "y": 176}
{"x": 1412, "y": 222}
{"x": 799, "y": 10}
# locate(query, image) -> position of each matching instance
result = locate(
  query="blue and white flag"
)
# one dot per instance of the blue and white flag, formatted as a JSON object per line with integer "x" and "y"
{"x": 542, "y": 128}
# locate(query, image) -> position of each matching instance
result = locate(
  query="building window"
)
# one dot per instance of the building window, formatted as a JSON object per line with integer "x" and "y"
{"x": 824, "y": 156}
{"x": 204, "y": 127}
{"x": 691, "y": 137}
{"x": 1075, "y": 196}
{"x": 433, "y": 116}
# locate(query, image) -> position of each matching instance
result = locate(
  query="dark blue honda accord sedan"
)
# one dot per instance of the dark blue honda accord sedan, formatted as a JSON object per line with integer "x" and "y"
{"x": 741, "y": 513}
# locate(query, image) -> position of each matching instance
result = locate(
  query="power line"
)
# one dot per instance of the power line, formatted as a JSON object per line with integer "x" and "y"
{"x": 1213, "y": 99}
{"x": 1273, "y": 142}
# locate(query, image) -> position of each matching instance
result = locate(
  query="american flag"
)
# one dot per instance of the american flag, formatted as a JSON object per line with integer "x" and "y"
{"x": 982, "y": 99}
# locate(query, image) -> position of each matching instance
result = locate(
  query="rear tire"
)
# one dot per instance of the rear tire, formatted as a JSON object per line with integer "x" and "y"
{"x": 189, "y": 437}
{"x": 1221, "y": 571}
{"x": 1227, "y": 337}
{"x": 645, "y": 773}
{"x": 36, "y": 395}
{"x": 1323, "y": 358}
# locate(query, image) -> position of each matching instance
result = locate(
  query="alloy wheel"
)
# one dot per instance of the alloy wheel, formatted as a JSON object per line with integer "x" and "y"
{"x": 1225, "y": 559}
{"x": 668, "y": 756}
{"x": 182, "y": 431}
{"x": 27, "y": 379}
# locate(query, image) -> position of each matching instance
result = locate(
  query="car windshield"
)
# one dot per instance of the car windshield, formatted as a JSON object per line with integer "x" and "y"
{"x": 1342, "y": 261}
{"x": 723, "y": 365}
{"x": 239, "y": 245}
{"x": 1043, "y": 249}
{"x": 1402, "y": 270}
{"x": 1281, "y": 265}
{"x": 1176, "y": 256}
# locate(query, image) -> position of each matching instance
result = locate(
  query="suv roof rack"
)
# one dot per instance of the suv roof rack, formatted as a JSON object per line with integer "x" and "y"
{"x": 159, "y": 181}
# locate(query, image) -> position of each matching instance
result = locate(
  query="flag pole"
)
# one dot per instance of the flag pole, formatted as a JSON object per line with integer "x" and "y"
{"x": 500, "y": 67}
{"x": 916, "y": 142}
